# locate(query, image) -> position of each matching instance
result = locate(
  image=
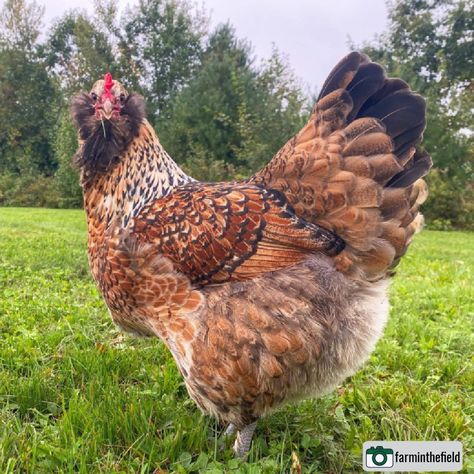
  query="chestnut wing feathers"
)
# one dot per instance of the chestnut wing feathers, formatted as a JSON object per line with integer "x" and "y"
{"x": 220, "y": 232}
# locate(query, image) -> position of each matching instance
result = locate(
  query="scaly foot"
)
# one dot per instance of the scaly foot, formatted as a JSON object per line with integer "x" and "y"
{"x": 243, "y": 440}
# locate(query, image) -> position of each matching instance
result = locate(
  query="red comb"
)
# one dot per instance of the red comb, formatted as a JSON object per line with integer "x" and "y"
{"x": 109, "y": 83}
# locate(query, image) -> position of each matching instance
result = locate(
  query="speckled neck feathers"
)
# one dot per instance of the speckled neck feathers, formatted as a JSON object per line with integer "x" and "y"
{"x": 143, "y": 173}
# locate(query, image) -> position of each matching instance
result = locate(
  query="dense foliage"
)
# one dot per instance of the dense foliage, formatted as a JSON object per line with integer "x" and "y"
{"x": 219, "y": 113}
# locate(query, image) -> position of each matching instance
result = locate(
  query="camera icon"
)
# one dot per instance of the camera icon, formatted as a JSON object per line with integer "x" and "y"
{"x": 379, "y": 457}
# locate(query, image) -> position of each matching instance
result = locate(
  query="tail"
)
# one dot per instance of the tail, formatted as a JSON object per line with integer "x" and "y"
{"x": 356, "y": 168}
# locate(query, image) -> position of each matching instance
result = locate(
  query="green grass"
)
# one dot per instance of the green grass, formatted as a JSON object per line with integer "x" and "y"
{"x": 78, "y": 396}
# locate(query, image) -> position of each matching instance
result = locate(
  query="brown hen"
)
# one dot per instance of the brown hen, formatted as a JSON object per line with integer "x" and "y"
{"x": 265, "y": 291}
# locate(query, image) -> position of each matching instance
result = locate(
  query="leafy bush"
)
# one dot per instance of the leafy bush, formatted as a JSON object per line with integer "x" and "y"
{"x": 450, "y": 202}
{"x": 28, "y": 191}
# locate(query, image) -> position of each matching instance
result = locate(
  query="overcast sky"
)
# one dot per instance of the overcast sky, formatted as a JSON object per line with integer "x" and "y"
{"x": 313, "y": 33}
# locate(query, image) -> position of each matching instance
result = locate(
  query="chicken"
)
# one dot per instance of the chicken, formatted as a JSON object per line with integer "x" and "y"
{"x": 269, "y": 290}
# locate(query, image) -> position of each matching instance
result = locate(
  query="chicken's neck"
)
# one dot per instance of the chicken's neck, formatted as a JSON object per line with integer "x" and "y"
{"x": 144, "y": 173}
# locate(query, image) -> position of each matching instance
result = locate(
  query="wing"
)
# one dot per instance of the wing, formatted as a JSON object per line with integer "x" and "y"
{"x": 355, "y": 167}
{"x": 220, "y": 232}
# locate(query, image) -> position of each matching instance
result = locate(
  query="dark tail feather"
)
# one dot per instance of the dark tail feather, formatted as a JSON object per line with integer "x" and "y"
{"x": 421, "y": 165}
{"x": 393, "y": 103}
{"x": 343, "y": 73}
{"x": 390, "y": 86}
{"x": 368, "y": 80}
{"x": 408, "y": 139}
{"x": 399, "y": 112}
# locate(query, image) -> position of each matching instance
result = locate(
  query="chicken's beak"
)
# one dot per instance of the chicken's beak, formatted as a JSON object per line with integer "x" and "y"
{"x": 107, "y": 109}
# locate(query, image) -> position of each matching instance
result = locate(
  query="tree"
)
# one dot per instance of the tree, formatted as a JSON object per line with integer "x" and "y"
{"x": 27, "y": 94}
{"x": 164, "y": 42}
{"x": 232, "y": 116}
{"x": 78, "y": 53}
{"x": 20, "y": 24}
{"x": 280, "y": 111}
{"x": 202, "y": 127}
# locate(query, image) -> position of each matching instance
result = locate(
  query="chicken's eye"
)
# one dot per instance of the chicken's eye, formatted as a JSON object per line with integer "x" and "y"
{"x": 93, "y": 96}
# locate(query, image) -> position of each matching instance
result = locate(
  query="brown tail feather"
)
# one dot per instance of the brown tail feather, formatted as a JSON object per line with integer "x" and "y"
{"x": 355, "y": 169}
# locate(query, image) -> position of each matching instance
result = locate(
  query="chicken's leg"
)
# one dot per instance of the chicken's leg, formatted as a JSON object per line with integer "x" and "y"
{"x": 243, "y": 440}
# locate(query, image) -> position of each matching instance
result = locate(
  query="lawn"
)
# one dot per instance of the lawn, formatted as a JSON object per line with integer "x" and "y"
{"x": 77, "y": 395}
